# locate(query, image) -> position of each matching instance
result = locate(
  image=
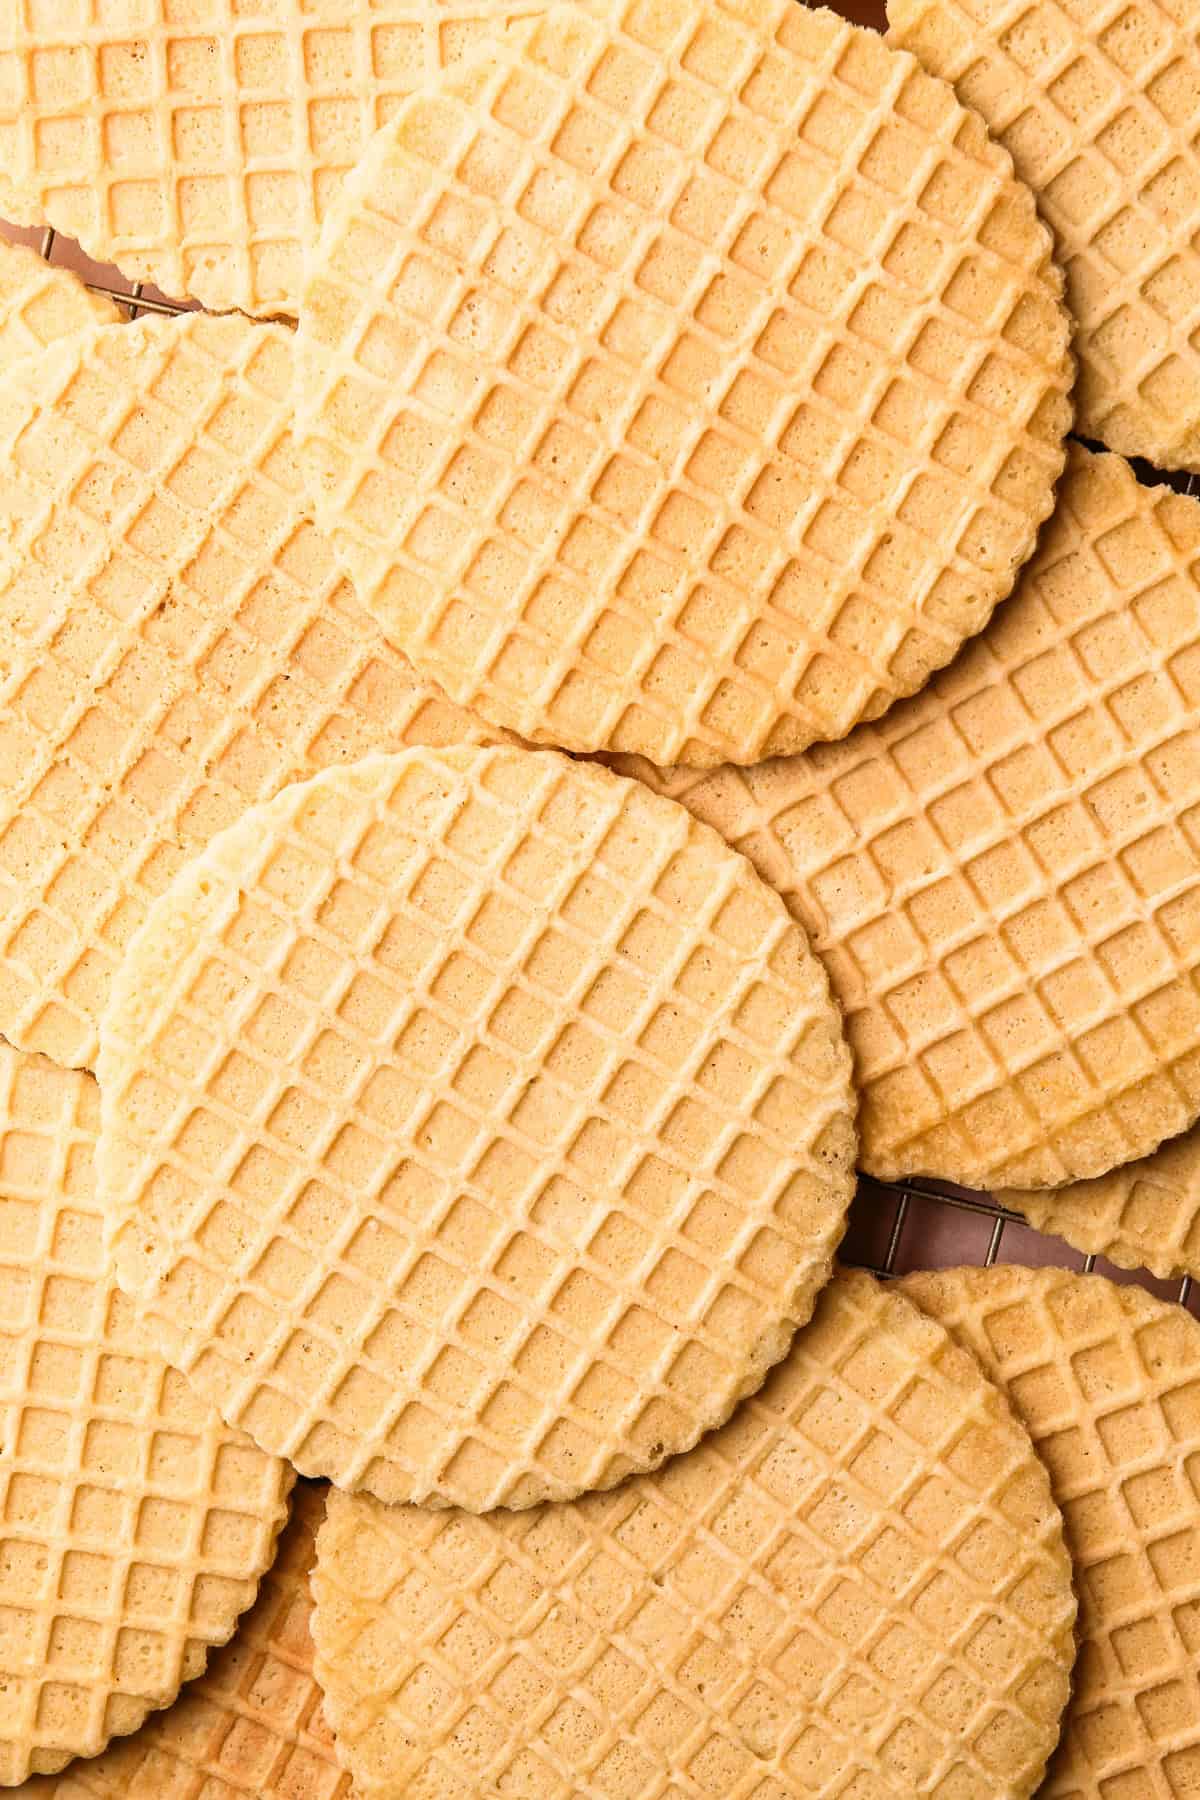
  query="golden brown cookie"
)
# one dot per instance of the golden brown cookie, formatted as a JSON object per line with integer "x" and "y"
{"x": 1003, "y": 876}
{"x": 1100, "y": 107}
{"x": 1106, "y": 1380}
{"x": 687, "y": 379}
{"x": 134, "y": 1525}
{"x": 856, "y": 1587}
{"x": 199, "y": 145}
{"x": 251, "y": 1725}
{"x": 478, "y": 1127}
{"x": 176, "y": 642}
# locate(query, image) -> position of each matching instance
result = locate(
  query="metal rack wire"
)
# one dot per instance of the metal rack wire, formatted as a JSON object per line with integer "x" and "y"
{"x": 893, "y": 1227}
{"x": 131, "y": 297}
{"x": 900, "y": 1226}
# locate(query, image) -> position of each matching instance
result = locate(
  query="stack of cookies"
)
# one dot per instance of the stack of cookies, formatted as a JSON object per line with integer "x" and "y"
{"x": 594, "y": 689}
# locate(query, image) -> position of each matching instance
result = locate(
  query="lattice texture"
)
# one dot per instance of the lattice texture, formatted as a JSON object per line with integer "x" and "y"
{"x": 1145, "y": 1215}
{"x": 251, "y": 1725}
{"x": 39, "y": 304}
{"x": 690, "y": 380}
{"x": 133, "y": 1525}
{"x": 1003, "y": 877}
{"x": 857, "y": 1587}
{"x": 1099, "y": 105}
{"x": 478, "y": 1127}
{"x": 1105, "y": 1381}
{"x": 175, "y": 644}
{"x": 198, "y": 146}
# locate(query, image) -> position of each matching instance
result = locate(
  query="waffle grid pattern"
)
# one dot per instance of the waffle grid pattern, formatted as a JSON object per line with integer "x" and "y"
{"x": 178, "y": 644}
{"x": 435, "y": 1075}
{"x": 859, "y": 1586}
{"x": 1145, "y": 1215}
{"x": 893, "y": 1225}
{"x": 251, "y": 1725}
{"x": 198, "y": 147}
{"x": 133, "y": 1524}
{"x": 1099, "y": 106}
{"x": 981, "y": 862}
{"x": 40, "y": 304}
{"x": 1105, "y": 1381}
{"x": 640, "y": 540}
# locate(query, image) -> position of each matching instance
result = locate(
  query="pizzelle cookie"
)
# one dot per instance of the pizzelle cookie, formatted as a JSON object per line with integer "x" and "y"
{"x": 477, "y": 1127}
{"x": 685, "y": 379}
{"x": 176, "y": 642}
{"x": 40, "y": 303}
{"x": 134, "y": 1525}
{"x": 199, "y": 145}
{"x": 251, "y": 1725}
{"x": 857, "y": 1586}
{"x": 1100, "y": 107}
{"x": 1144, "y": 1215}
{"x": 1106, "y": 1380}
{"x": 1002, "y": 877}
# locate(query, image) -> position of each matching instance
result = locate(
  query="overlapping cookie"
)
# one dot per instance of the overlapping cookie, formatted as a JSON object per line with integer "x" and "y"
{"x": 857, "y": 1586}
{"x": 199, "y": 146}
{"x": 251, "y": 1725}
{"x": 687, "y": 379}
{"x": 477, "y": 1126}
{"x": 1106, "y": 1380}
{"x": 1100, "y": 107}
{"x": 1144, "y": 1215}
{"x": 134, "y": 1525}
{"x": 1003, "y": 876}
{"x": 176, "y": 642}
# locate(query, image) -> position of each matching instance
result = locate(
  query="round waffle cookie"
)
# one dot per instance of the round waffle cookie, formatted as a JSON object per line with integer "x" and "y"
{"x": 1106, "y": 1380}
{"x": 251, "y": 1725}
{"x": 857, "y": 1587}
{"x": 176, "y": 642}
{"x": 477, "y": 1126}
{"x": 41, "y": 302}
{"x": 134, "y": 1525}
{"x": 1099, "y": 106}
{"x": 198, "y": 145}
{"x": 1144, "y": 1215}
{"x": 685, "y": 379}
{"x": 1002, "y": 877}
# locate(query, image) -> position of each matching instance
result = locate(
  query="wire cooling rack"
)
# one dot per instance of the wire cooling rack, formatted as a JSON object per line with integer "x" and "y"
{"x": 894, "y": 1228}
